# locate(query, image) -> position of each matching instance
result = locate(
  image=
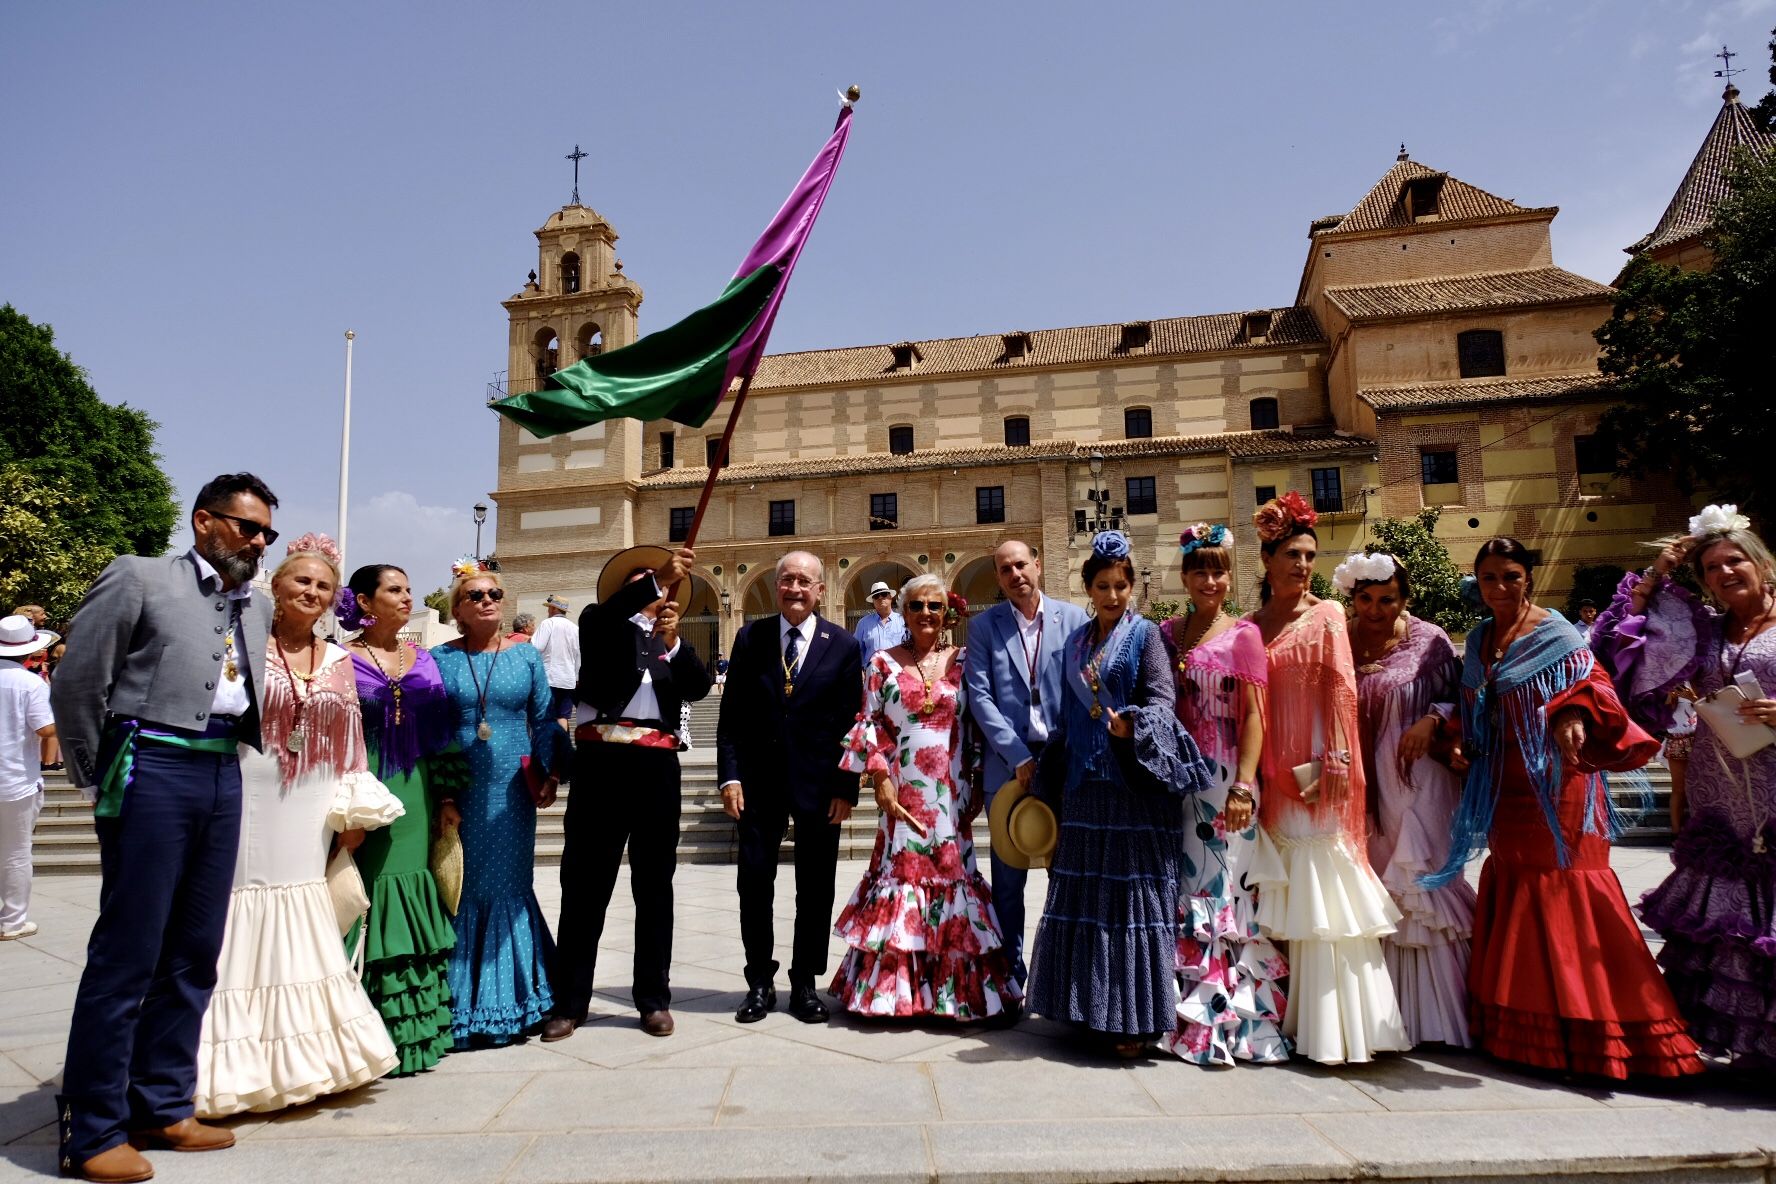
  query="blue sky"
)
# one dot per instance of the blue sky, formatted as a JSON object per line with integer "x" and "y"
{"x": 202, "y": 197}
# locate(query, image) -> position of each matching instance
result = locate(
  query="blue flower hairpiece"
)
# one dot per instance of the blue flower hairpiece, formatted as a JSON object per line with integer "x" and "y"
{"x": 1202, "y": 535}
{"x": 1111, "y": 544}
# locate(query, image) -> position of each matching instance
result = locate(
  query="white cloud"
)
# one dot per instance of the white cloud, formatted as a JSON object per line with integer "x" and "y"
{"x": 395, "y": 527}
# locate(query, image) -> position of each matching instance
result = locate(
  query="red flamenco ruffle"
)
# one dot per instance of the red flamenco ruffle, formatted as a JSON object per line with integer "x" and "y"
{"x": 1594, "y": 1048}
{"x": 1561, "y": 977}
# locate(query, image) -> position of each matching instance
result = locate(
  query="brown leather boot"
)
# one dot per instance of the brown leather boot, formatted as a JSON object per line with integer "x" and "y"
{"x": 188, "y": 1134}
{"x": 657, "y": 1023}
{"x": 121, "y": 1164}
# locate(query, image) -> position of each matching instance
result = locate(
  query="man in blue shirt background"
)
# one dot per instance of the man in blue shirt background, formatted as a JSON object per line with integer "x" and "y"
{"x": 885, "y": 628}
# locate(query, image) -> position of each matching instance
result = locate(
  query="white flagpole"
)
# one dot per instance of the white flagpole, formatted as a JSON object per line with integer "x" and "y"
{"x": 345, "y": 435}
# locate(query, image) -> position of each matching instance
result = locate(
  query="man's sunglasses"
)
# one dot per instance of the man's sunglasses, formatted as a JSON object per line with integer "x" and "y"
{"x": 477, "y": 595}
{"x": 926, "y": 606}
{"x": 249, "y": 529}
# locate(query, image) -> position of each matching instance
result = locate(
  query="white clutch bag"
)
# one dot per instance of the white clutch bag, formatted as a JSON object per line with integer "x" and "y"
{"x": 1307, "y": 780}
{"x": 1720, "y": 711}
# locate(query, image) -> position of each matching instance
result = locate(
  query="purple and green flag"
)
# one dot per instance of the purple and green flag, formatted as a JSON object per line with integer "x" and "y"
{"x": 682, "y": 372}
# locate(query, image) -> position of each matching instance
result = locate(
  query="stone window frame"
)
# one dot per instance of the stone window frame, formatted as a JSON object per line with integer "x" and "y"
{"x": 909, "y": 438}
{"x": 884, "y": 511}
{"x": 989, "y": 504}
{"x": 1275, "y": 407}
{"x": 780, "y": 518}
{"x": 1131, "y": 422}
{"x": 1146, "y": 502}
{"x": 678, "y": 523}
{"x": 1017, "y": 419}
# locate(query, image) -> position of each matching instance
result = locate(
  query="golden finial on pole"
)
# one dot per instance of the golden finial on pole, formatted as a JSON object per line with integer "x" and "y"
{"x": 850, "y": 95}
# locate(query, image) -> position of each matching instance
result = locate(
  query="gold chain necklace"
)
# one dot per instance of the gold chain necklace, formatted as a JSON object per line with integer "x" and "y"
{"x": 400, "y": 671}
{"x": 927, "y": 707}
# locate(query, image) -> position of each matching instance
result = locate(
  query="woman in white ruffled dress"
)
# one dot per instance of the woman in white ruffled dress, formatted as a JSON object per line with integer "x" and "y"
{"x": 288, "y": 1021}
{"x": 1331, "y": 908}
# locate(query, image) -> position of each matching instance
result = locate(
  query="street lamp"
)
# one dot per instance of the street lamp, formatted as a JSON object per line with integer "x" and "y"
{"x": 480, "y": 517}
{"x": 727, "y": 599}
{"x": 1096, "y": 462}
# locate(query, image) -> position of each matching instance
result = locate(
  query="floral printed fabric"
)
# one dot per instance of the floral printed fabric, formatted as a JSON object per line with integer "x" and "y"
{"x": 1230, "y": 1003}
{"x": 920, "y": 926}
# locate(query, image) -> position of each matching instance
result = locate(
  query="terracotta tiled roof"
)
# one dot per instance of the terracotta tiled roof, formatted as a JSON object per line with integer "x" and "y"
{"x": 1492, "y": 289}
{"x": 1470, "y": 392}
{"x": 1168, "y": 337}
{"x": 1692, "y": 207}
{"x": 1239, "y": 445}
{"x": 1385, "y": 205}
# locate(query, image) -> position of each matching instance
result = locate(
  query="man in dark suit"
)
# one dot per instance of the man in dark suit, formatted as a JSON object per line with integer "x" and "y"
{"x": 634, "y": 674}
{"x": 795, "y": 682}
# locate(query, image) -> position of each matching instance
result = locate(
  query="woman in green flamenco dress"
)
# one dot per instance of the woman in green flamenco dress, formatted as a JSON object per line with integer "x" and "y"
{"x": 407, "y": 727}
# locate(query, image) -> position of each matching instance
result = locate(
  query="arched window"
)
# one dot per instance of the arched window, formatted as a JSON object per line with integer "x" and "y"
{"x": 1480, "y": 353}
{"x": 590, "y": 340}
{"x": 1017, "y": 430}
{"x": 900, "y": 439}
{"x": 570, "y": 273}
{"x": 1137, "y": 423}
{"x": 1264, "y": 414}
{"x": 546, "y": 350}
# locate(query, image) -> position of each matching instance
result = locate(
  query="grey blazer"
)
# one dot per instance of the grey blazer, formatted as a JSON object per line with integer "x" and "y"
{"x": 146, "y": 643}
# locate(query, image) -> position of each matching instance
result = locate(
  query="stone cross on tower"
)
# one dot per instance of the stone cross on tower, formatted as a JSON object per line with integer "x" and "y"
{"x": 1727, "y": 69}
{"x": 576, "y": 156}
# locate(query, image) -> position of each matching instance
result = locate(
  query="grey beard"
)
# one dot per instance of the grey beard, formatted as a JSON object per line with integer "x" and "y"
{"x": 238, "y": 567}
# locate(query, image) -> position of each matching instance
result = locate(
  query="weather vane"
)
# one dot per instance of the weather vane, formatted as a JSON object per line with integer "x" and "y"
{"x": 576, "y": 156}
{"x": 1727, "y": 69}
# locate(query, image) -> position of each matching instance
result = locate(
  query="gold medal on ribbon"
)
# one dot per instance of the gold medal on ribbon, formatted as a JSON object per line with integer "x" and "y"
{"x": 483, "y": 731}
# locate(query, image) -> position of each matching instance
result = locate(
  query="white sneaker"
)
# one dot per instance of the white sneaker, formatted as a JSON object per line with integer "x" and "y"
{"x": 28, "y": 929}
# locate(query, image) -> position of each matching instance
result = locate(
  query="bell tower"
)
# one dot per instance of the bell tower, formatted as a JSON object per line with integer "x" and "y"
{"x": 569, "y": 500}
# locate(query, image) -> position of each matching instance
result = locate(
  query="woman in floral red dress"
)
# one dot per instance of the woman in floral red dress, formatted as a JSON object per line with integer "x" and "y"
{"x": 921, "y": 930}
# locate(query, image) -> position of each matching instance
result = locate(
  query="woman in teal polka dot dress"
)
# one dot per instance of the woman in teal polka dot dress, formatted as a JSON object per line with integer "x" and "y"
{"x": 499, "y": 970}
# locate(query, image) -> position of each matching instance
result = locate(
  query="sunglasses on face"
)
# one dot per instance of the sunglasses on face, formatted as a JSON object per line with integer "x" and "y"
{"x": 477, "y": 595}
{"x": 926, "y": 606}
{"x": 249, "y": 529}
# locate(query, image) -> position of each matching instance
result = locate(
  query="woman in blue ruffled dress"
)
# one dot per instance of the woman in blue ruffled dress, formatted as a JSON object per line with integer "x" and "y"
{"x": 499, "y": 969}
{"x": 1106, "y": 949}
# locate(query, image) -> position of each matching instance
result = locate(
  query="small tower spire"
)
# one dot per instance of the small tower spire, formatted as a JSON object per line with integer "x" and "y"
{"x": 1727, "y": 70}
{"x": 1402, "y": 155}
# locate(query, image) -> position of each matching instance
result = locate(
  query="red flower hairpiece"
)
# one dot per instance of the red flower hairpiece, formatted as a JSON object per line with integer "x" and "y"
{"x": 1276, "y": 517}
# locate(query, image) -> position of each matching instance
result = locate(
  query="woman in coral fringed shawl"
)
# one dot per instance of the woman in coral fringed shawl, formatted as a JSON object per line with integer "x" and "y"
{"x": 1330, "y": 907}
{"x": 1561, "y": 978}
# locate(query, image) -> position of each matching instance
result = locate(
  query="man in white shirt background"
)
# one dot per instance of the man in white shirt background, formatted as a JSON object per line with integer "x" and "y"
{"x": 883, "y": 629}
{"x": 557, "y": 640}
{"x": 25, "y": 722}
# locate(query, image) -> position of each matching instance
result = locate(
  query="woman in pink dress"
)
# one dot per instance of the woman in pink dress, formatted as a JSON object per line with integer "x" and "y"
{"x": 1230, "y": 998}
{"x": 1408, "y": 679}
{"x": 1330, "y": 907}
{"x": 922, "y": 936}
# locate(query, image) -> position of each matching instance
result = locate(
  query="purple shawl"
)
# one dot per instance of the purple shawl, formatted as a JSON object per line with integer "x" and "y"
{"x": 1652, "y": 653}
{"x": 425, "y": 727}
{"x": 1419, "y": 676}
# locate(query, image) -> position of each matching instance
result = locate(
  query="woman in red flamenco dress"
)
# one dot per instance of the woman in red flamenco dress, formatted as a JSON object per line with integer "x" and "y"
{"x": 1560, "y": 978}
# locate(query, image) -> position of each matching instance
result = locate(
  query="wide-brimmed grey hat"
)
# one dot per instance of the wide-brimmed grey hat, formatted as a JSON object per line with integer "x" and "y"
{"x": 20, "y": 639}
{"x": 880, "y": 588}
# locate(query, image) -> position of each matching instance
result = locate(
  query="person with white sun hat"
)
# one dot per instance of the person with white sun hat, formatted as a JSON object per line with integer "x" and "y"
{"x": 25, "y": 722}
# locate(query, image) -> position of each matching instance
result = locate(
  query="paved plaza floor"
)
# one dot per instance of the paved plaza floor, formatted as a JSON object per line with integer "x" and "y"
{"x": 852, "y": 1101}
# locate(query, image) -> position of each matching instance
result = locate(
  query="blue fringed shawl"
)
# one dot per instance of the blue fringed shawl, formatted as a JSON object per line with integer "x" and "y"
{"x": 1511, "y": 707}
{"x": 1161, "y": 745}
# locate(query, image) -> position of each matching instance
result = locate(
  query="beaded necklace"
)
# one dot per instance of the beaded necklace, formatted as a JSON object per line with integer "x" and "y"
{"x": 394, "y": 683}
{"x": 298, "y": 680}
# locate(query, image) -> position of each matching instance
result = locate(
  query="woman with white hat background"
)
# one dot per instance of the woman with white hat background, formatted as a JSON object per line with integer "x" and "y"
{"x": 25, "y": 722}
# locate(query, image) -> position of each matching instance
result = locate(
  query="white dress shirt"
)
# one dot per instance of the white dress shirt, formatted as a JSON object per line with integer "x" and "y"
{"x": 557, "y": 640}
{"x": 1030, "y": 635}
{"x": 231, "y": 694}
{"x": 24, "y": 707}
{"x": 643, "y": 704}
{"x": 806, "y": 629}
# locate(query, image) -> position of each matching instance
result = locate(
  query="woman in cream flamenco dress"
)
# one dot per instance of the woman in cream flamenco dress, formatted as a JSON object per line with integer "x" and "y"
{"x": 1331, "y": 907}
{"x": 288, "y": 1021}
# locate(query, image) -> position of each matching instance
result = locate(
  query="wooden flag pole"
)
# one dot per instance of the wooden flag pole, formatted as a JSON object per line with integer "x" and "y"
{"x": 715, "y": 468}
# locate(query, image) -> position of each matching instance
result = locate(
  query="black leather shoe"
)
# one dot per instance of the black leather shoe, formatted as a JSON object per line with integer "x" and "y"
{"x": 760, "y": 1002}
{"x": 805, "y": 1005}
{"x": 558, "y": 1027}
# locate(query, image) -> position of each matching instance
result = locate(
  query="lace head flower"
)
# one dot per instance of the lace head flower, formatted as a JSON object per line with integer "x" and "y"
{"x": 1356, "y": 569}
{"x": 1718, "y": 520}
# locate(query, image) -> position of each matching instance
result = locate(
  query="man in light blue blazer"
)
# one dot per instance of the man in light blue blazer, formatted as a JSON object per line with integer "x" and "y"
{"x": 1014, "y": 692}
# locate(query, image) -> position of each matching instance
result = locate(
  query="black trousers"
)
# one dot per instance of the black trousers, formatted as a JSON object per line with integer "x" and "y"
{"x": 762, "y": 824}
{"x": 622, "y": 795}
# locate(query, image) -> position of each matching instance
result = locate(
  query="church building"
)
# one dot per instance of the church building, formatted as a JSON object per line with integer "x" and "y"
{"x": 1434, "y": 355}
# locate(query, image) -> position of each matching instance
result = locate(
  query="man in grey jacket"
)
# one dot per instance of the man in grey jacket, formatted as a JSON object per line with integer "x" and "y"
{"x": 159, "y": 687}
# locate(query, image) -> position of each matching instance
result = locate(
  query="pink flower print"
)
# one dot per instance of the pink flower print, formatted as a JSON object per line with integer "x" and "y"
{"x": 1220, "y": 824}
{"x": 934, "y": 762}
{"x": 949, "y": 861}
{"x": 1224, "y": 921}
{"x": 957, "y": 936}
{"x": 1197, "y": 1038}
{"x": 910, "y": 867}
{"x": 912, "y": 691}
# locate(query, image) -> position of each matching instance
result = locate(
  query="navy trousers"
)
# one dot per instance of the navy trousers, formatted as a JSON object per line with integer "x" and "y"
{"x": 168, "y": 869}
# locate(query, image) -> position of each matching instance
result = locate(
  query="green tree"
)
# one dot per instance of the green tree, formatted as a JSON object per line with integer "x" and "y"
{"x": 1692, "y": 354}
{"x": 1161, "y": 611}
{"x": 1436, "y": 580}
{"x": 1765, "y": 112}
{"x": 43, "y": 560}
{"x": 100, "y": 457}
{"x": 439, "y": 601}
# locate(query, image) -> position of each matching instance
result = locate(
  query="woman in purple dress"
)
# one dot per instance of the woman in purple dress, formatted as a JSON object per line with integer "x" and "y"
{"x": 407, "y": 725}
{"x": 1717, "y": 909}
{"x": 1408, "y": 678}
